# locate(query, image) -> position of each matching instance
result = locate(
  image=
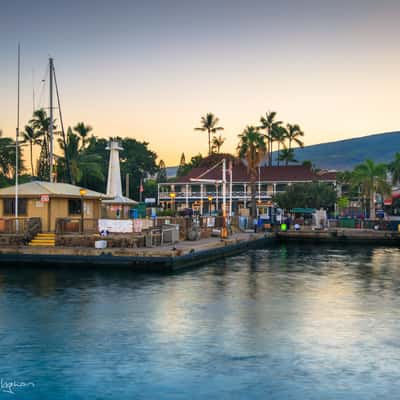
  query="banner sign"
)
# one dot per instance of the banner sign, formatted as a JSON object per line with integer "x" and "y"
{"x": 116, "y": 225}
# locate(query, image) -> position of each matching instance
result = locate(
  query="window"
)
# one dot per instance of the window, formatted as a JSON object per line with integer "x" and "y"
{"x": 74, "y": 206}
{"x": 9, "y": 207}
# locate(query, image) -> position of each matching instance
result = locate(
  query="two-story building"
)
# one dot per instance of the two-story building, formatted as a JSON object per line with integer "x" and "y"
{"x": 206, "y": 197}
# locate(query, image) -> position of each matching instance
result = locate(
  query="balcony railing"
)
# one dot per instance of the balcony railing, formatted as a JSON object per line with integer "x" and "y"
{"x": 236, "y": 195}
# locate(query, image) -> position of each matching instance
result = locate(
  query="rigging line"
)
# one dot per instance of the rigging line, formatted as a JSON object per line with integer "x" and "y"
{"x": 62, "y": 127}
{"x": 42, "y": 88}
{"x": 33, "y": 91}
{"x": 209, "y": 170}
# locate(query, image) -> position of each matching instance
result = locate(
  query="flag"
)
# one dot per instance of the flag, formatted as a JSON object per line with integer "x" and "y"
{"x": 141, "y": 190}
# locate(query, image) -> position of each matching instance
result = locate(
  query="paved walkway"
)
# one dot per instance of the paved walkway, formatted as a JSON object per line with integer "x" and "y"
{"x": 170, "y": 250}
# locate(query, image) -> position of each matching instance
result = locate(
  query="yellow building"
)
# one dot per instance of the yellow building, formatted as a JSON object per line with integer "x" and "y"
{"x": 50, "y": 201}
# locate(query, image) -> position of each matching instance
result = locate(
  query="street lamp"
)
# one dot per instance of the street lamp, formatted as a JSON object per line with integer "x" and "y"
{"x": 172, "y": 196}
{"x": 82, "y": 192}
{"x": 209, "y": 203}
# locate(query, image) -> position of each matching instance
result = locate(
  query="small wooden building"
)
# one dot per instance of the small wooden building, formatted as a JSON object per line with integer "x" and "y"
{"x": 50, "y": 201}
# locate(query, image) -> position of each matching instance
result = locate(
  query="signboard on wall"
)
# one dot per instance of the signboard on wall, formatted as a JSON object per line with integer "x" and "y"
{"x": 44, "y": 198}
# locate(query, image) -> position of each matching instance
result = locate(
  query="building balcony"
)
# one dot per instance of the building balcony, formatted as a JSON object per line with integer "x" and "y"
{"x": 236, "y": 195}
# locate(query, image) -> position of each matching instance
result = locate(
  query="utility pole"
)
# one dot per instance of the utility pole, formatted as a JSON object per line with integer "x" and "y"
{"x": 51, "y": 119}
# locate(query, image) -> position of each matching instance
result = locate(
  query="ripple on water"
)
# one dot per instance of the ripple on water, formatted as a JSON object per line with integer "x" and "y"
{"x": 284, "y": 322}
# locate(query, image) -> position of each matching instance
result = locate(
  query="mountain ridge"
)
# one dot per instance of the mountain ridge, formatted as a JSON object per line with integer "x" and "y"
{"x": 347, "y": 153}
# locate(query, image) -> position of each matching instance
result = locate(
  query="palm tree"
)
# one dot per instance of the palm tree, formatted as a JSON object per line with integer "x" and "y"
{"x": 31, "y": 136}
{"x": 279, "y": 134}
{"x": 209, "y": 124}
{"x": 41, "y": 124}
{"x": 83, "y": 131}
{"x": 394, "y": 168}
{"x": 293, "y": 135}
{"x": 269, "y": 124}
{"x": 252, "y": 148}
{"x": 217, "y": 143}
{"x": 83, "y": 166}
{"x": 287, "y": 155}
{"x": 7, "y": 157}
{"x": 371, "y": 178}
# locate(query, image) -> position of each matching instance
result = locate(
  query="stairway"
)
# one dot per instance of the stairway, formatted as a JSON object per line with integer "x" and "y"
{"x": 44, "y": 239}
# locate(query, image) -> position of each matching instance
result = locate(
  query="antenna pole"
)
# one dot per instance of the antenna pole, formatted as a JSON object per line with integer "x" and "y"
{"x": 17, "y": 140}
{"x": 51, "y": 119}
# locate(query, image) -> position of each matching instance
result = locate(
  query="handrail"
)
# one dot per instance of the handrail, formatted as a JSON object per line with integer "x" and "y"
{"x": 73, "y": 225}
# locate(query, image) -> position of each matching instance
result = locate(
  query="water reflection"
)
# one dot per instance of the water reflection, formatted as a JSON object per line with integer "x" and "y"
{"x": 283, "y": 322}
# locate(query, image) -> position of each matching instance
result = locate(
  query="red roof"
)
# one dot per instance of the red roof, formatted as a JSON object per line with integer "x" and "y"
{"x": 290, "y": 173}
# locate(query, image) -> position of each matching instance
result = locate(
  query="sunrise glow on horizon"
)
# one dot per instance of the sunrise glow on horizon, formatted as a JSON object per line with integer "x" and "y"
{"x": 150, "y": 71}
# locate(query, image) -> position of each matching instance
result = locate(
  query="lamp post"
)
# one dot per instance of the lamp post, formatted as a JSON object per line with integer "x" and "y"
{"x": 172, "y": 196}
{"x": 209, "y": 204}
{"x": 82, "y": 193}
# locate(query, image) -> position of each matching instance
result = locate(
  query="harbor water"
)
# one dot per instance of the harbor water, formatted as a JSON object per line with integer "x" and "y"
{"x": 283, "y": 322}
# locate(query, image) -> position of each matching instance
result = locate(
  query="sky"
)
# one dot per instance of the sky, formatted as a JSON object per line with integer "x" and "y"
{"x": 150, "y": 69}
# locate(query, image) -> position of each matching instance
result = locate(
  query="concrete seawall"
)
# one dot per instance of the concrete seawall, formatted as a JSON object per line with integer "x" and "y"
{"x": 157, "y": 259}
{"x": 342, "y": 235}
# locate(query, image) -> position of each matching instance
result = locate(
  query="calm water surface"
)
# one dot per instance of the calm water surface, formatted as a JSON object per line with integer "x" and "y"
{"x": 279, "y": 323}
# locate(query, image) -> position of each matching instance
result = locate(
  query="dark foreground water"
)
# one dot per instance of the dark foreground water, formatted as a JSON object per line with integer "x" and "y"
{"x": 279, "y": 323}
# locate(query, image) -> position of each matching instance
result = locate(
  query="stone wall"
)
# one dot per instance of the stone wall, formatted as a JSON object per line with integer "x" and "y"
{"x": 12, "y": 240}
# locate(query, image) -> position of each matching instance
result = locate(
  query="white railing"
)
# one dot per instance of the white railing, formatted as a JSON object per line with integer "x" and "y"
{"x": 197, "y": 195}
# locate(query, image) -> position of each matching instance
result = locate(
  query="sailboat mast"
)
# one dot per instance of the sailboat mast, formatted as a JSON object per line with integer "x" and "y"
{"x": 17, "y": 140}
{"x": 51, "y": 119}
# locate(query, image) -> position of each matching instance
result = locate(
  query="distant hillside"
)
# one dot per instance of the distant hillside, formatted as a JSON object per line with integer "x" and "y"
{"x": 345, "y": 154}
{"x": 171, "y": 172}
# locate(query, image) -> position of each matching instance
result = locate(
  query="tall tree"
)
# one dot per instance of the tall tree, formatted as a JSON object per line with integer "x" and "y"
{"x": 209, "y": 124}
{"x": 83, "y": 131}
{"x": 182, "y": 164}
{"x": 371, "y": 178}
{"x": 217, "y": 143}
{"x": 40, "y": 122}
{"x": 287, "y": 155}
{"x": 162, "y": 172}
{"x": 307, "y": 195}
{"x": 137, "y": 160}
{"x": 394, "y": 168}
{"x": 269, "y": 123}
{"x": 279, "y": 134}
{"x": 294, "y": 133}
{"x": 252, "y": 148}
{"x": 194, "y": 162}
{"x": 7, "y": 158}
{"x": 32, "y": 137}
{"x": 83, "y": 166}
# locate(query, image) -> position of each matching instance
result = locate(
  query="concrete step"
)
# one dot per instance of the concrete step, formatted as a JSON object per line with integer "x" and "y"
{"x": 44, "y": 240}
{"x": 41, "y": 244}
{"x": 45, "y": 235}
